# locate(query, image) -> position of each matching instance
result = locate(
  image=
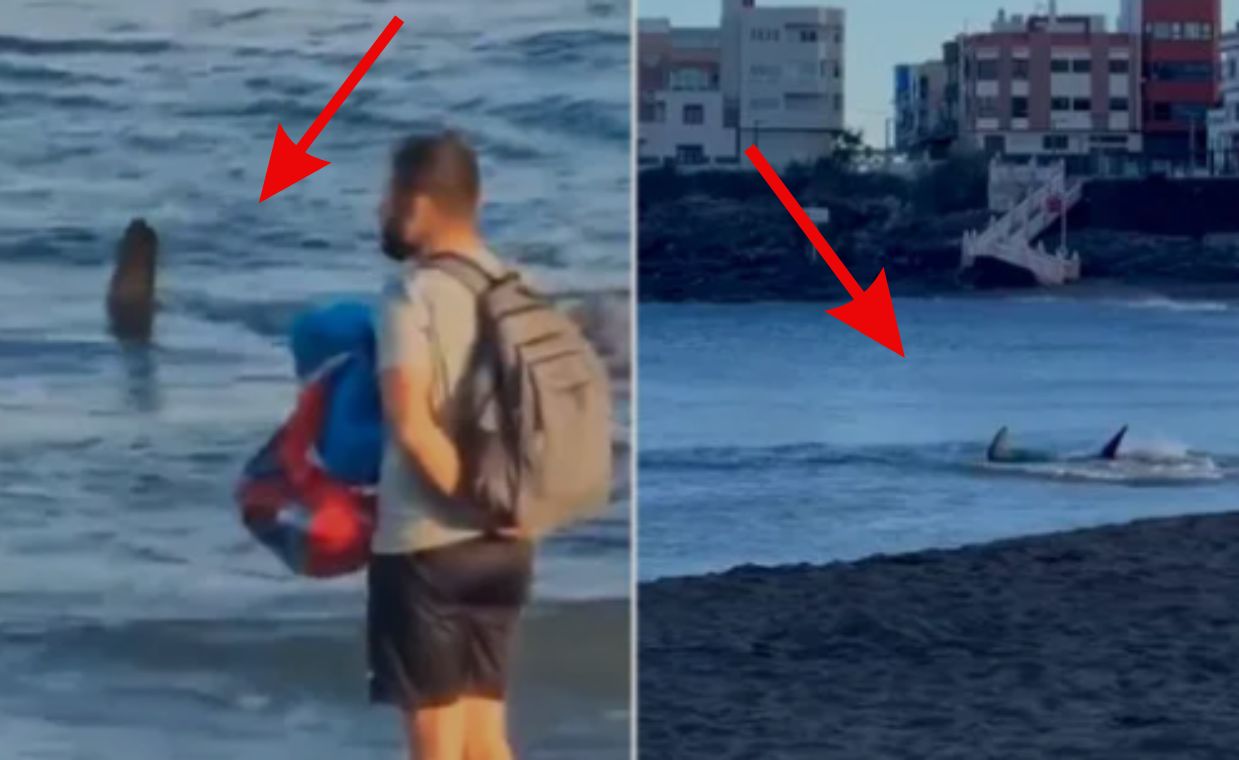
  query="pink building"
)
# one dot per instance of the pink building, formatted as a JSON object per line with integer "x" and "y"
{"x": 1052, "y": 87}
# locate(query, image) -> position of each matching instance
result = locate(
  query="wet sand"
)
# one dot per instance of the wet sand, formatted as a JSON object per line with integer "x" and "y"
{"x": 1117, "y": 642}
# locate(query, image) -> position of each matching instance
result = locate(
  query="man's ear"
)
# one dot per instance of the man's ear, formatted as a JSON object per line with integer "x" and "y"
{"x": 422, "y": 212}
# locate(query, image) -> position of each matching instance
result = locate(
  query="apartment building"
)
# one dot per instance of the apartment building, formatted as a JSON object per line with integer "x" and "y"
{"x": 680, "y": 106}
{"x": 1179, "y": 53}
{"x": 782, "y": 78}
{"x": 1224, "y": 121}
{"x": 921, "y": 108}
{"x": 1053, "y": 87}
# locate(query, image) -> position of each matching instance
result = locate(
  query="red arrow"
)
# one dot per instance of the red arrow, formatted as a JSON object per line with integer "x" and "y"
{"x": 870, "y": 312}
{"x": 290, "y": 162}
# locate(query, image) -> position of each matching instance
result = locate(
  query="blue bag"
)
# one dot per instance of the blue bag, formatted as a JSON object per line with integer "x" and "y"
{"x": 350, "y": 446}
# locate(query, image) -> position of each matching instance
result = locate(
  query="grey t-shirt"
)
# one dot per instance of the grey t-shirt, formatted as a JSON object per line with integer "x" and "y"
{"x": 428, "y": 320}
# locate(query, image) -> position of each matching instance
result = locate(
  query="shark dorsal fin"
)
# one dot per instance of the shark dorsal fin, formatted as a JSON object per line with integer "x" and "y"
{"x": 1111, "y": 449}
{"x": 1000, "y": 446}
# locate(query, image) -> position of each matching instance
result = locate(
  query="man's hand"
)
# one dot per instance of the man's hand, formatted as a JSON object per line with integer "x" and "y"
{"x": 409, "y": 407}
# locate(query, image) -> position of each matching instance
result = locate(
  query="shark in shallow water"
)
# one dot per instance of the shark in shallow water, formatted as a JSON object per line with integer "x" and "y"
{"x": 1001, "y": 451}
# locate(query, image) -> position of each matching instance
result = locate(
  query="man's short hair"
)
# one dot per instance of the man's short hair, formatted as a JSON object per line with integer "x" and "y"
{"x": 442, "y": 166}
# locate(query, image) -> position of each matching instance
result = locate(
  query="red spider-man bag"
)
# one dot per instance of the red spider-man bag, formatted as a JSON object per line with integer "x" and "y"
{"x": 318, "y": 526}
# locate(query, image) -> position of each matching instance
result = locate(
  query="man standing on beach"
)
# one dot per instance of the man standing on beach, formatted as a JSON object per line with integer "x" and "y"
{"x": 445, "y": 593}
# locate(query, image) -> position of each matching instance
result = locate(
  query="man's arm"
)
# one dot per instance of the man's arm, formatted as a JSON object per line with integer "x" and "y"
{"x": 409, "y": 408}
{"x": 406, "y": 377}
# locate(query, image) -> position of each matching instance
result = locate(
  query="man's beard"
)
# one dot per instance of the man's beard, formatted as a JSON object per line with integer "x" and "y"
{"x": 393, "y": 245}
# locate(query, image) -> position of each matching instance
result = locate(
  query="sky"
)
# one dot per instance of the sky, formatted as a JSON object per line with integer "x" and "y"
{"x": 883, "y": 33}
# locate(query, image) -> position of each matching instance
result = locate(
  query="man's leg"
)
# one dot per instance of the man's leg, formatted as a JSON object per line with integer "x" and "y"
{"x": 436, "y": 733}
{"x": 486, "y": 729}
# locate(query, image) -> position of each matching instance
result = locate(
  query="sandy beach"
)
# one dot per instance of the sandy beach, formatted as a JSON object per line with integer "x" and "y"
{"x": 1117, "y": 642}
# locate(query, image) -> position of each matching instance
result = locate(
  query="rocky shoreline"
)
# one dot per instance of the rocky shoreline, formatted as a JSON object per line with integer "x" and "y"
{"x": 741, "y": 245}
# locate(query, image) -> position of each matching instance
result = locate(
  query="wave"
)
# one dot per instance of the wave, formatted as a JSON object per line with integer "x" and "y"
{"x": 288, "y": 109}
{"x": 58, "y": 243}
{"x": 1150, "y": 464}
{"x": 1153, "y": 303}
{"x": 1171, "y": 304}
{"x": 558, "y": 113}
{"x": 83, "y": 45}
{"x": 558, "y": 48}
{"x": 29, "y": 100}
{"x": 278, "y": 659}
{"x": 218, "y": 20}
{"x": 16, "y": 72}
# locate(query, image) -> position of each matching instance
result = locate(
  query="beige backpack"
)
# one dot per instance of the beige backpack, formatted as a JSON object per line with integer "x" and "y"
{"x": 532, "y": 413}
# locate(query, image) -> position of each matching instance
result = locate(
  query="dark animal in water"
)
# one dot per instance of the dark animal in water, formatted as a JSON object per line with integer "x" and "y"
{"x": 1000, "y": 450}
{"x": 131, "y": 294}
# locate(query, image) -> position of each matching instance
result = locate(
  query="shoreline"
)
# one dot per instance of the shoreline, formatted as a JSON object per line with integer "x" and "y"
{"x": 1086, "y": 290}
{"x": 1118, "y": 641}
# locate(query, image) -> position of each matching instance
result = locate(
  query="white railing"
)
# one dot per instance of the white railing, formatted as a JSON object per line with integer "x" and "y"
{"x": 1049, "y": 269}
{"x": 1009, "y": 237}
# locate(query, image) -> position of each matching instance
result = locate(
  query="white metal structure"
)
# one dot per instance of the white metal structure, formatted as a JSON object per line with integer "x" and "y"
{"x": 1009, "y": 237}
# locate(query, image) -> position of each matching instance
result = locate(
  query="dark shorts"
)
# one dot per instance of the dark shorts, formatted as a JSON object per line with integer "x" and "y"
{"x": 441, "y": 622}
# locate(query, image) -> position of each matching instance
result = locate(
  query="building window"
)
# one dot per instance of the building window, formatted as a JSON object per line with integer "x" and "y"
{"x": 1188, "y": 113}
{"x": 1160, "y": 30}
{"x": 995, "y": 144}
{"x": 987, "y": 107}
{"x": 764, "y": 104}
{"x": 838, "y": 103}
{"x": 1019, "y": 108}
{"x": 1081, "y": 65}
{"x": 804, "y": 102}
{"x": 1232, "y": 68}
{"x": 1060, "y": 104}
{"x": 1060, "y": 65}
{"x": 690, "y": 154}
{"x": 765, "y": 72}
{"x": 1054, "y": 142}
{"x": 1181, "y": 71}
{"x": 694, "y": 113}
{"x": 690, "y": 78}
{"x": 1119, "y": 104}
{"x": 1019, "y": 68}
{"x": 987, "y": 69}
{"x": 808, "y": 35}
{"x": 1198, "y": 31}
{"x": 807, "y": 70}
{"x": 764, "y": 35}
{"x": 1161, "y": 112}
{"x": 1120, "y": 66}
{"x": 1082, "y": 104}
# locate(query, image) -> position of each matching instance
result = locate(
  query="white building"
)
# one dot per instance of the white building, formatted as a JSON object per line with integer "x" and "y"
{"x": 782, "y": 78}
{"x": 1224, "y": 122}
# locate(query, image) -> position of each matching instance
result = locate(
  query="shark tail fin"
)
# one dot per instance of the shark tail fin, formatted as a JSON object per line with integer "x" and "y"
{"x": 1111, "y": 449}
{"x": 999, "y": 446}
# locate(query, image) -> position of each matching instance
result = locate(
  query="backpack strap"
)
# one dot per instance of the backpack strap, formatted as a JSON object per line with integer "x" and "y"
{"x": 464, "y": 270}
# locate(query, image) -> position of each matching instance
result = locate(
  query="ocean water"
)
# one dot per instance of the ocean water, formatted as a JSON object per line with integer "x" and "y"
{"x": 772, "y": 434}
{"x": 137, "y": 618}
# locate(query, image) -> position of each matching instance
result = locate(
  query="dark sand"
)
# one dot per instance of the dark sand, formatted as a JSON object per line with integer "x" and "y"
{"x": 1114, "y": 643}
